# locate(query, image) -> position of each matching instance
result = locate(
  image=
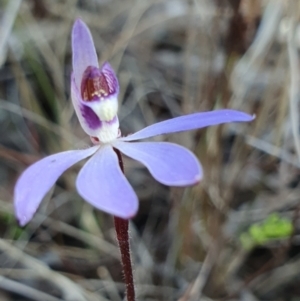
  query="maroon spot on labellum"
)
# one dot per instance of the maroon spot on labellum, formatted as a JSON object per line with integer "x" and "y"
{"x": 95, "y": 140}
{"x": 94, "y": 84}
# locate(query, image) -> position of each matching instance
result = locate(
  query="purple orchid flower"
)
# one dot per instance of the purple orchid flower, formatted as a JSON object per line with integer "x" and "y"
{"x": 101, "y": 182}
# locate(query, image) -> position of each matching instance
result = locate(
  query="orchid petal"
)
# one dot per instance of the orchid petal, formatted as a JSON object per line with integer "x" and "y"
{"x": 88, "y": 119}
{"x": 189, "y": 122}
{"x": 169, "y": 163}
{"x": 84, "y": 53}
{"x": 37, "y": 180}
{"x": 102, "y": 183}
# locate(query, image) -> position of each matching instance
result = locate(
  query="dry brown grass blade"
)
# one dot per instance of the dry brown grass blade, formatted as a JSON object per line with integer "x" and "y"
{"x": 25, "y": 290}
{"x": 70, "y": 290}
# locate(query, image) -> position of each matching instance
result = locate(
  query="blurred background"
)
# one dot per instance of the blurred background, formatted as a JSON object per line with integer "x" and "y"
{"x": 235, "y": 235}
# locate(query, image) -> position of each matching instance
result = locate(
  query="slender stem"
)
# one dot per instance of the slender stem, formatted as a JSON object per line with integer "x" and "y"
{"x": 121, "y": 226}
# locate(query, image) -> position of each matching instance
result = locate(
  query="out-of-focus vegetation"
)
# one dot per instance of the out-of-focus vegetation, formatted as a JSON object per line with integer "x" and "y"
{"x": 172, "y": 57}
{"x": 272, "y": 228}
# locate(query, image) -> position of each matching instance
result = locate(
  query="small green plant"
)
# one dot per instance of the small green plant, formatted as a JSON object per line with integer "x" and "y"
{"x": 272, "y": 228}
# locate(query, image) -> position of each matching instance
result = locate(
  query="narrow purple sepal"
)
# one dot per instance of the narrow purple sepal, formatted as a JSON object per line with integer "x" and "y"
{"x": 190, "y": 122}
{"x": 38, "y": 178}
{"x": 102, "y": 183}
{"x": 169, "y": 163}
{"x": 83, "y": 49}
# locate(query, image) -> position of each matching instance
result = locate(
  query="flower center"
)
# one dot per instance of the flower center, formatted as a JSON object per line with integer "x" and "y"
{"x": 94, "y": 84}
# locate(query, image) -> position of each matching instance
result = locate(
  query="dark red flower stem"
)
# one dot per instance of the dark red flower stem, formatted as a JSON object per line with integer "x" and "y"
{"x": 121, "y": 226}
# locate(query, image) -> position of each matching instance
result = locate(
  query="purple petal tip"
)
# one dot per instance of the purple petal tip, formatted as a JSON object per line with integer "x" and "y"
{"x": 23, "y": 221}
{"x": 79, "y": 22}
{"x": 198, "y": 178}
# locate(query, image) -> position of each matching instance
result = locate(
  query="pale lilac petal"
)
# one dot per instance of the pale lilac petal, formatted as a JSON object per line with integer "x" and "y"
{"x": 102, "y": 184}
{"x": 190, "y": 122}
{"x": 88, "y": 119}
{"x": 169, "y": 163}
{"x": 83, "y": 49}
{"x": 38, "y": 178}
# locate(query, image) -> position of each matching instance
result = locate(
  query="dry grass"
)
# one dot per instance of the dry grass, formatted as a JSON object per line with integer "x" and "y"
{"x": 172, "y": 57}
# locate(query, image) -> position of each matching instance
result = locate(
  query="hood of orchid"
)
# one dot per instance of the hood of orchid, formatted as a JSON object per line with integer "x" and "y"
{"x": 94, "y": 89}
